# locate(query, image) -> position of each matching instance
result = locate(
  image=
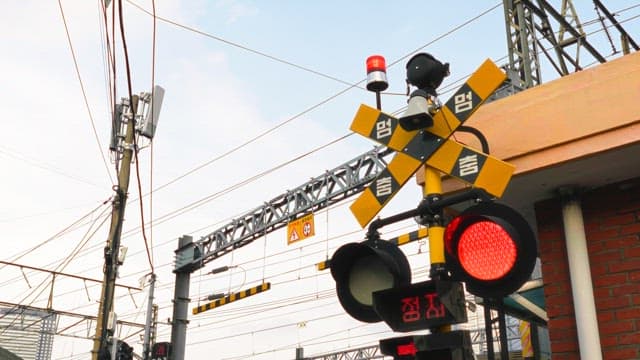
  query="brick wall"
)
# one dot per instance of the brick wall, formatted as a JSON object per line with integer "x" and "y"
{"x": 612, "y": 224}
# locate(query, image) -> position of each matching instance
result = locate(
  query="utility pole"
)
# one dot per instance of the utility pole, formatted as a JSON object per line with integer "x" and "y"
{"x": 147, "y": 343}
{"x": 111, "y": 250}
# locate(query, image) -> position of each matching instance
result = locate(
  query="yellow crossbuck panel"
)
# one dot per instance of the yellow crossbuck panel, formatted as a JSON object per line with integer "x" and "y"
{"x": 472, "y": 166}
{"x": 231, "y": 298}
{"x": 383, "y": 128}
{"x": 415, "y": 148}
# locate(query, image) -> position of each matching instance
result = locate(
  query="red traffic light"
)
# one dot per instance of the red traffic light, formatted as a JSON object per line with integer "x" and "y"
{"x": 401, "y": 348}
{"x": 492, "y": 248}
{"x": 453, "y": 345}
{"x": 161, "y": 351}
{"x": 360, "y": 269}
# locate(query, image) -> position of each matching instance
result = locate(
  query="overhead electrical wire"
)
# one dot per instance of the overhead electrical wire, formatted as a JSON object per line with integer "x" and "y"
{"x": 239, "y": 46}
{"x": 135, "y": 145}
{"x": 268, "y": 131}
{"x": 186, "y": 208}
{"x": 153, "y": 89}
{"x": 68, "y": 228}
{"x": 262, "y": 306}
{"x": 292, "y": 346}
{"x": 220, "y": 315}
{"x": 84, "y": 93}
{"x": 307, "y": 110}
{"x": 129, "y": 84}
{"x": 50, "y": 168}
{"x": 204, "y": 200}
{"x": 41, "y": 287}
{"x": 108, "y": 60}
{"x": 255, "y": 260}
{"x": 505, "y": 57}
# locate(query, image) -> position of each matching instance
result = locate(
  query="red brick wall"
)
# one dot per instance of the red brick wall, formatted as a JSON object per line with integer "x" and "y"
{"x": 612, "y": 223}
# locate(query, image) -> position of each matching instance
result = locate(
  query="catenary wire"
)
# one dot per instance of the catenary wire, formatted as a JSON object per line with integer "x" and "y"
{"x": 135, "y": 144}
{"x": 84, "y": 93}
{"x": 618, "y": 12}
{"x": 307, "y": 110}
{"x": 153, "y": 89}
{"x": 239, "y": 46}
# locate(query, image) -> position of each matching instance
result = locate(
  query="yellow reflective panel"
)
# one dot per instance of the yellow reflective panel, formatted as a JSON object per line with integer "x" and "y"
{"x": 495, "y": 176}
{"x": 486, "y": 79}
{"x": 365, "y": 207}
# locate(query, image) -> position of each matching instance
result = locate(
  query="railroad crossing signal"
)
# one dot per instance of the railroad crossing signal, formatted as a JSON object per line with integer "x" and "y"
{"x": 360, "y": 269}
{"x": 432, "y": 146}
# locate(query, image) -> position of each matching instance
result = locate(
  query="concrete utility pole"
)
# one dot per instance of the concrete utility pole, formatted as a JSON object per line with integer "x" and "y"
{"x": 146, "y": 344}
{"x": 112, "y": 248}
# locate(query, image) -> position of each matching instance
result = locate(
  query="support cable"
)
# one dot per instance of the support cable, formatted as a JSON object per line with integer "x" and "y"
{"x": 84, "y": 93}
{"x": 135, "y": 142}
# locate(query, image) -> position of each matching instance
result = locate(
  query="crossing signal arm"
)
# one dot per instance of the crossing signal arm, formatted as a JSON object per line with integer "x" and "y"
{"x": 231, "y": 298}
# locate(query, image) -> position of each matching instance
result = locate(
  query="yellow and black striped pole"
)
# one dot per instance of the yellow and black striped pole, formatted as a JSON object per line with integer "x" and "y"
{"x": 432, "y": 189}
{"x": 398, "y": 240}
{"x": 232, "y": 297}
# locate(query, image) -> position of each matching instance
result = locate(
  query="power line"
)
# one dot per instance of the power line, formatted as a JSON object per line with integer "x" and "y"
{"x": 84, "y": 93}
{"x": 153, "y": 86}
{"x": 59, "y": 233}
{"x": 313, "y": 107}
{"x": 135, "y": 144}
{"x": 239, "y": 46}
{"x": 202, "y": 201}
{"x": 59, "y": 268}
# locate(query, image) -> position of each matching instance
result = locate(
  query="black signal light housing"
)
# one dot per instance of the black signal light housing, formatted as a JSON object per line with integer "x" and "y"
{"x": 359, "y": 269}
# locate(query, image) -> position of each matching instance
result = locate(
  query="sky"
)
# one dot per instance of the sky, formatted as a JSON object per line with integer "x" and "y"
{"x": 249, "y": 85}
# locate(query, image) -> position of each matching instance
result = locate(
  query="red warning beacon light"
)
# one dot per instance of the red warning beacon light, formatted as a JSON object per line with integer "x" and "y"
{"x": 492, "y": 248}
{"x": 376, "y": 73}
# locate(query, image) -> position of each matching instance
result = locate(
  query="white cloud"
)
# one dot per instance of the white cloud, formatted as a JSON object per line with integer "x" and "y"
{"x": 236, "y": 10}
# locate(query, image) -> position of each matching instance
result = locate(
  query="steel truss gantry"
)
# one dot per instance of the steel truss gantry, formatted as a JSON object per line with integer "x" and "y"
{"x": 320, "y": 192}
{"x": 363, "y": 353}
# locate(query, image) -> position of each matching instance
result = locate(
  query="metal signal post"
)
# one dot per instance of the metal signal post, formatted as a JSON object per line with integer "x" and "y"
{"x": 489, "y": 246}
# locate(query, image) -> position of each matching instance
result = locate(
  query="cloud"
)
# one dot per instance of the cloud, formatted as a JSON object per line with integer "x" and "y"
{"x": 235, "y": 10}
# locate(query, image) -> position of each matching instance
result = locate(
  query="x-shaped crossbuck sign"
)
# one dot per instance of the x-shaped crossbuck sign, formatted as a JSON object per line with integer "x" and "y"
{"x": 432, "y": 146}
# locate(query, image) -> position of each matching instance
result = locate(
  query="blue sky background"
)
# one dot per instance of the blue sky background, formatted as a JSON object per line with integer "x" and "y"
{"x": 218, "y": 96}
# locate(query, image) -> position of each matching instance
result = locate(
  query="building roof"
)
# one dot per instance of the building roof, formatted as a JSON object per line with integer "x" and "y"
{"x": 582, "y": 129}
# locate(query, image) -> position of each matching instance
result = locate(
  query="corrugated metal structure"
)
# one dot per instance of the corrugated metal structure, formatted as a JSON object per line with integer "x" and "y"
{"x": 27, "y": 333}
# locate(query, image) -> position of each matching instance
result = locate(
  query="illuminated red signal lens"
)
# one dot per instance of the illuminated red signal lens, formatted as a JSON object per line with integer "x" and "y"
{"x": 376, "y": 63}
{"x": 448, "y": 234}
{"x": 486, "y": 251}
{"x": 407, "y": 349}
